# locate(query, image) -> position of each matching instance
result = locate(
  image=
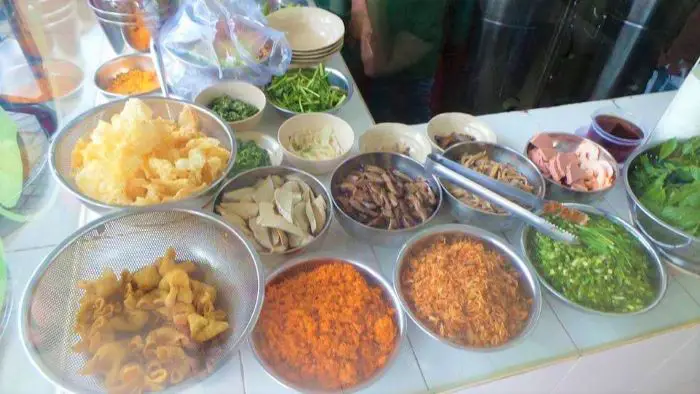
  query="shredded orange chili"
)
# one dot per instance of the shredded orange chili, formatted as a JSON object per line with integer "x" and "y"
{"x": 326, "y": 327}
{"x": 134, "y": 81}
{"x": 465, "y": 293}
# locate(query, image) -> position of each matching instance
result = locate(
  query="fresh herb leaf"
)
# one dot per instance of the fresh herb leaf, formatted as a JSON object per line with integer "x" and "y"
{"x": 668, "y": 148}
{"x": 232, "y": 110}
{"x": 608, "y": 271}
{"x": 667, "y": 182}
{"x": 305, "y": 90}
{"x": 249, "y": 156}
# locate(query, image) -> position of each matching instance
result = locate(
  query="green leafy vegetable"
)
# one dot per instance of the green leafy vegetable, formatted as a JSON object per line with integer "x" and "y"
{"x": 305, "y": 90}
{"x": 608, "y": 271}
{"x": 232, "y": 110}
{"x": 11, "y": 172}
{"x": 667, "y": 182}
{"x": 249, "y": 156}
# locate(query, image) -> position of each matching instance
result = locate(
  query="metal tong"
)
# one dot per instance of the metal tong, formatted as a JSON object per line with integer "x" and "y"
{"x": 498, "y": 193}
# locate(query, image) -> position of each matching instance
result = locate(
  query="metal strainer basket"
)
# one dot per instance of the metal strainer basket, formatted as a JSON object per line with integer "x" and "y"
{"x": 131, "y": 239}
{"x": 166, "y": 108}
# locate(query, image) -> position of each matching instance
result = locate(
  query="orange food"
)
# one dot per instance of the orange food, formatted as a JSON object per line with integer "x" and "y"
{"x": 327, "y": 327}
{"x": 465, "y": 293}
{"x": 134, "y": 81}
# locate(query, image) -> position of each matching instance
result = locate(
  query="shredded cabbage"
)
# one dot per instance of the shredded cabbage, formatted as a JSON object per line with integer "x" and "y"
{"x": 315, "y": 144}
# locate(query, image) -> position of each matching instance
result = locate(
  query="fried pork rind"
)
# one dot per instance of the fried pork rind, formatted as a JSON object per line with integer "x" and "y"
{"x": 203, "y": 329}
{"x": 137, "y": 160}
{"x": 144, "y": 331}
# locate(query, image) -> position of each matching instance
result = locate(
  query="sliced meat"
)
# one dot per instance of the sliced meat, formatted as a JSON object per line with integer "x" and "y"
{"x": 542, "y": 141}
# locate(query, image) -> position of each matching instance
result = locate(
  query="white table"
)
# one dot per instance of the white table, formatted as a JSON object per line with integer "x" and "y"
{"x": 563, "y": 355}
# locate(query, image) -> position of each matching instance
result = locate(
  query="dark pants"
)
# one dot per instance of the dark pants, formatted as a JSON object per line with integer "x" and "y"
{"x": 396, "y": 99}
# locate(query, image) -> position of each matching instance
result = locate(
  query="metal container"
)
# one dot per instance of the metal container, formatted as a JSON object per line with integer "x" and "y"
{"x": 373, "y": 278}
{"x": 679, "y": 247}
{"x": 131, "y": 240}
{"x": 565, "y": 142}
{"x": 166, "y": 108}
{"x": 248, "y": 178}
{"x": 371, "y": 235}
{"x": 121, "y": 64}
{"x": 119, "y": 19}
{"x": 660, "y": 279}
{"x": 502, "y": 154}
{"x": 528, "y": 279}
{"x": 336, "y": 78}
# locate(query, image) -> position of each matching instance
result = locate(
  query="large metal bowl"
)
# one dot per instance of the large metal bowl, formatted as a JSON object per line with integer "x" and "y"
{"x": 132, "y": 239}
{"x": 660, "y": 277}
{"x": 336, "y": 78}
{"x": 402, "y": 163}
{"x": 167, "y": 108}
{"x": 121, "y": 64}
{"x": 528, "y": 280}
{"x": 565, "y": 142}
{"x": 501, "y": 154}
{"x": 679, "y": 247}
{"x": 248, "y": 178}
{"x": 373, "y": 278}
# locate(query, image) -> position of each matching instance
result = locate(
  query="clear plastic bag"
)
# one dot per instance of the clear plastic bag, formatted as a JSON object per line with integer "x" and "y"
{"x": 208, "y": 40}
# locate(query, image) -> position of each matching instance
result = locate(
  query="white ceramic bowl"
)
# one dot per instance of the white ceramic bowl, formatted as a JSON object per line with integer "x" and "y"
{"x": 395, "y": 137}
{"x": 238, "y": 90}
{"x": 316, "y": 122}
{"x": 307, "y": 28}
{"x": 456, "y": 122}
{"x": 273, "y": 148}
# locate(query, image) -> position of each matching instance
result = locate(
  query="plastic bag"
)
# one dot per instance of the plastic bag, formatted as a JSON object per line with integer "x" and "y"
{"x": 208, "y": 40}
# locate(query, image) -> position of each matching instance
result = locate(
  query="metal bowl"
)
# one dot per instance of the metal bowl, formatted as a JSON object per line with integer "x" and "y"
{"x": 501, "y": 154}
{"x": 121, "y": 64}
{"x": 373, "y": 278}
{"x": 167, "y": 108}
{"x": 336, "y": 78}
{"x": 371, "y": 235}
{"x": 528, "y": 280}
{"x": 660, "y": 278}
{"x": 248, "y": 178}
{"x": 565, "y": 142}
{"x": 131, "y": 240}
{"x": 679, "y": 247}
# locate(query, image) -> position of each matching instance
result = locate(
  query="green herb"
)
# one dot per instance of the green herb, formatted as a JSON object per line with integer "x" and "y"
{"x": 667, "y": 182}
{"x": 249, "y": 156}
{"x": 232, "y": 110}
{"x": 11, "y": 173}
{"x": 305, "y": 90}
{"x": 607, "y": 271}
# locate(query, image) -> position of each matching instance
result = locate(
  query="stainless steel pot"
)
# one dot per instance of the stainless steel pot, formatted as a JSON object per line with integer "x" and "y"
{"x": 679, "y": 247}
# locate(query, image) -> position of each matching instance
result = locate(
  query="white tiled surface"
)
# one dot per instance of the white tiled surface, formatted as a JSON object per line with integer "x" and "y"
{"x": 17, "y": 374}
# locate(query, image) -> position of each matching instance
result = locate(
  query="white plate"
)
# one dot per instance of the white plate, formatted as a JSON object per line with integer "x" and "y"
{"x": 264, "y": 141}
{"x": 395, "y": 137}
{"x": 307, "y": 28}
{"x": 456, "y": 122}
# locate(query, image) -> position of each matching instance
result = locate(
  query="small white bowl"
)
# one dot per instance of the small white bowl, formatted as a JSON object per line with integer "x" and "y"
{"x": 273, "y": 148}
{"x": 238, "y": 90}
{"x": 394, "y": 137}
{"x": 316, "y": 121}
{"x": 456, "y": 122}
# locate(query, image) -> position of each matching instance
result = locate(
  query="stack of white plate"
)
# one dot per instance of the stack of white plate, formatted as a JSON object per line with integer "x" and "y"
{"x": 313, "y": 33}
